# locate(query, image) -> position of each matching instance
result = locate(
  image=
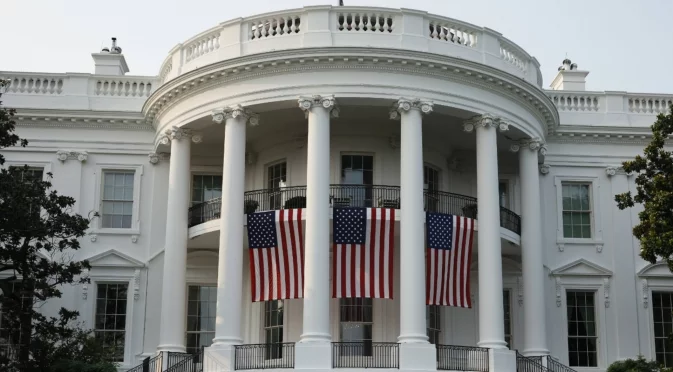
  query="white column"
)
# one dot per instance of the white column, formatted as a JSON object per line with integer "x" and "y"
{"x": 415, "y": 350}
{"x": 230, "y": 259}
{"x": 491, "y": 312}
{"x": 318, "y": 109}
{"x": 174, "y": 290}
{"x": 412, "y": 254}
{"x": 535, "y": 335}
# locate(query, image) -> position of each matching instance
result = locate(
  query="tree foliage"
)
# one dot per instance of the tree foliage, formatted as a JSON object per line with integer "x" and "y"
{"x": 636, "y": 365}
{"x": 38, "y": 237}
{"x": 654, "y": 190}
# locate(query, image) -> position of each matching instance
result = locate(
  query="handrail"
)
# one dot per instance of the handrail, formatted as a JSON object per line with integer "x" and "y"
{"x": 264, "y": 356}
{"x": 462, "y": 358}
{"x": 149, "y": 364}
{"x": 365, "y": 354}
{"x": 525, "y": 364}
{"x": 554, "y": 365}
{"x": 376, "y": 196}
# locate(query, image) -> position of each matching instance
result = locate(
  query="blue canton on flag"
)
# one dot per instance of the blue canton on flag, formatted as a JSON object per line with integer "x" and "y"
{"x": 440, "y": 230}
{"x": 262, "y": 230}
{"x": 350, "y": 225}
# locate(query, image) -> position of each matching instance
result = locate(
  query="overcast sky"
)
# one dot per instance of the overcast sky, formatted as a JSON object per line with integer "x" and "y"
{"x": 625, "y": 44}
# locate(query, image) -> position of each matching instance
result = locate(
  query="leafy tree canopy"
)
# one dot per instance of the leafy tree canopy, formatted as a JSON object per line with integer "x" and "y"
{"x": 38, "y": 237}
{"x": 654, "y": 190}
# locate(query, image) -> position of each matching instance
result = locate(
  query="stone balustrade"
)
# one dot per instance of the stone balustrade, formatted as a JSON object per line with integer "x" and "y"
{"x": 75, "y": 91}
{"x": 327, "y": 26}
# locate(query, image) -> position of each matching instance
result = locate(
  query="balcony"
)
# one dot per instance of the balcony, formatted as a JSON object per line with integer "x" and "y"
{"x": 264, "y": 356}
{"x": 462, "y": 358}
{"x": 343, "y": 196}
{"x": 365, "y": 355}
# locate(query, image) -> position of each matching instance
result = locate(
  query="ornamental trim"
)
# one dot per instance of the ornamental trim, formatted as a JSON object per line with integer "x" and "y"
{"x": 176, "y": 134}
{"x": 486, "y": 121}
{"x": 408, "y": 104}
{"x": 329, "y": 103}
{"x": 64, "y": 155}
{"x": 234, "y": 112}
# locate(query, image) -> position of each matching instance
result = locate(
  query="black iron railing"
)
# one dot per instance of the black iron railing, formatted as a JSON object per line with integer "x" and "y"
{"x": 341, "y": 196}
{"x": 524, "y": 364}
{"x": 264, "y": 356}
{"x": 149, "y": 364}
{"x": 365, "y": 355}
{"x": 554, "y": 365}
{"x": 184, "y": 362}
{"x": 462, "y": 358}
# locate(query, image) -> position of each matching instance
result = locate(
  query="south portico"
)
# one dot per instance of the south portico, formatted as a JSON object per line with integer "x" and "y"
{"x": 313, "y": 351}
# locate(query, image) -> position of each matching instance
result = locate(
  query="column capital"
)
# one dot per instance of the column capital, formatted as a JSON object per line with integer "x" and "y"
{"x": 408, "y": 104}
{"x": 326, "y": 102}
{"x": 544, "y": 169}
{"x": 613, "y": 170}
{"x": 155, "y": 157}
{"x": 533, "y": 144}
{"x": 177, "y": 134}
{"x": 79, "y": 155}
{"x": 486, "y": 121}
{"x": 234, "y": 112}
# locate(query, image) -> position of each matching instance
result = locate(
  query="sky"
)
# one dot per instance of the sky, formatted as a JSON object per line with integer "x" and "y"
{"x": 627, "y": 45}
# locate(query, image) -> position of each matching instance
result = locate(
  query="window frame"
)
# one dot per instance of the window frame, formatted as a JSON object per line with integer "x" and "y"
{"x": 596, "y": 224}
{"x": 129, "y": 290}
{"x": 197, "y": 284}
{"x": 371, "y": 323}
{"x": 428, "y": 327}
{"x": 439, "y": 177}
{"x": 596, "y": 306}
{"x": 652, "y": 278}
{"x": 46, "y": 166}
{"x": 264, "y": 327}
{"x": 99, "y": 173}
{"x": 581, "y": 282}
{"x": 273, "y": 164}
{"x": 191, "y": 183}
{"x": 356, "y": 153}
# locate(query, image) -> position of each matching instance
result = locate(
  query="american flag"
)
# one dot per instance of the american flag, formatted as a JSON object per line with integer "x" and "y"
{"x": 363, "y": 252}
{"x": 449, "y": 257}
{"x": 276, "y": 251}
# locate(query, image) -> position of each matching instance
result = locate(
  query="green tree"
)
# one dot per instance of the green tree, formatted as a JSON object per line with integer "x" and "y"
{"x": 654, "y": 190}
{"x": 38, "y": 236}
{"x": 636, "y": 365}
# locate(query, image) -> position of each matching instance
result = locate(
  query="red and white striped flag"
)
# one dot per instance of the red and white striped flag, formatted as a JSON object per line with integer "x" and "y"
{"x": 363, "y": 252}
{"x": 449, "y": 257}
{"x": 276, "y": 253}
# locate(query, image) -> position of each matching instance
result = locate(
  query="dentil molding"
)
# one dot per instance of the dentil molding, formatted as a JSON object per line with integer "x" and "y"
{"x": 326, "y": 102}
{"x": 64, "y": 155}
{"x": 235, "y": 112}
{"x": 485, "y": 121}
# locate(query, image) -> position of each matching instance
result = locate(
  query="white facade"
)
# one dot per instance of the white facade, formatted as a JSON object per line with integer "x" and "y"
{"x": 254, "y": 101}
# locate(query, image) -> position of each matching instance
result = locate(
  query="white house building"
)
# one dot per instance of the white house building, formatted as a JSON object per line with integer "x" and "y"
{"x": 293, "y": 109}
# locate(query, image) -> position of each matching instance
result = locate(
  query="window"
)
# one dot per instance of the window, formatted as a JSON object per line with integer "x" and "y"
{"x": 10, "y": 339}
{"x": 356, "y": 170}
{"x": 508, "y": 316}
{"x": 32, "y": 173}
{"x": 201, "y": 305}
{"x": 276, "y": 174}
{"x": 576, "y": 210}
{"x": 503, "y": 193}
{"x": 356, "y": 316}
{"x": 273, "y": 329}
{"x": 206, "y": 187}
{"x": 582, "y": 336}
{"x": 118, "y": 199}
{"x": 662, "y": 308}
{"x": 110, "y": 322}
{"x": 433, "y": 323}
{"x": 430, "y": 178}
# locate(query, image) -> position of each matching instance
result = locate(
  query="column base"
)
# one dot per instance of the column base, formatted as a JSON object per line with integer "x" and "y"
{"x": 418, "y": 357}
{"x": 172, "y": 348}
{"x": 501, "y": 360}
{"x": 219, "y": 358}
{"x": 313, "y": 355}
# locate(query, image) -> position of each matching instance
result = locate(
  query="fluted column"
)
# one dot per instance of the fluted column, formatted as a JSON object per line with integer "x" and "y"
{"x": 230, "y": 259}
{"x": 535, "y": 335}
{"x": 491, "y": 312}
{"x": 412, "y": 256}
{"x": 173, "y": 298}
{"x": 318, "y": 110}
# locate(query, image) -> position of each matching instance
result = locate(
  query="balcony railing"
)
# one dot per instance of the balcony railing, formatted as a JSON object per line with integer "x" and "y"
{"x": 184, "y": 362}
{"x": 462, "y": 358}
{"x": 554, "y": 365}
{"x": 342, "y": 196}
{"x": 365, "y": 355}
{"x": 264, "y": 356}
{"x": 149, "y": 364}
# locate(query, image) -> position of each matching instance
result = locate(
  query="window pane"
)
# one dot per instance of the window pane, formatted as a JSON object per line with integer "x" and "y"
{"x": 200, "y": 320}
{"x": 582, "y": 335}
{"x": 110, "y": 317}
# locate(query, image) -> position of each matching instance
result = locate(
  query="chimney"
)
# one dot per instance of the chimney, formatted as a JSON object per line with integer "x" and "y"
{"x": 569, "y": 77}
{"x": 110, "y": 61}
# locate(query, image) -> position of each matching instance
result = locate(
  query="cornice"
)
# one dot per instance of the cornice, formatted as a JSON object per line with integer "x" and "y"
{"x": 500, "y": 82}
{"x": 82, "y": 120}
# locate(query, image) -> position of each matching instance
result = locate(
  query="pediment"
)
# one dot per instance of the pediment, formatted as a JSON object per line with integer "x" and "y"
{"x": 581, "y": 267}
{"x": 658, "y": 269}
{"x": 114, "y": 258}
